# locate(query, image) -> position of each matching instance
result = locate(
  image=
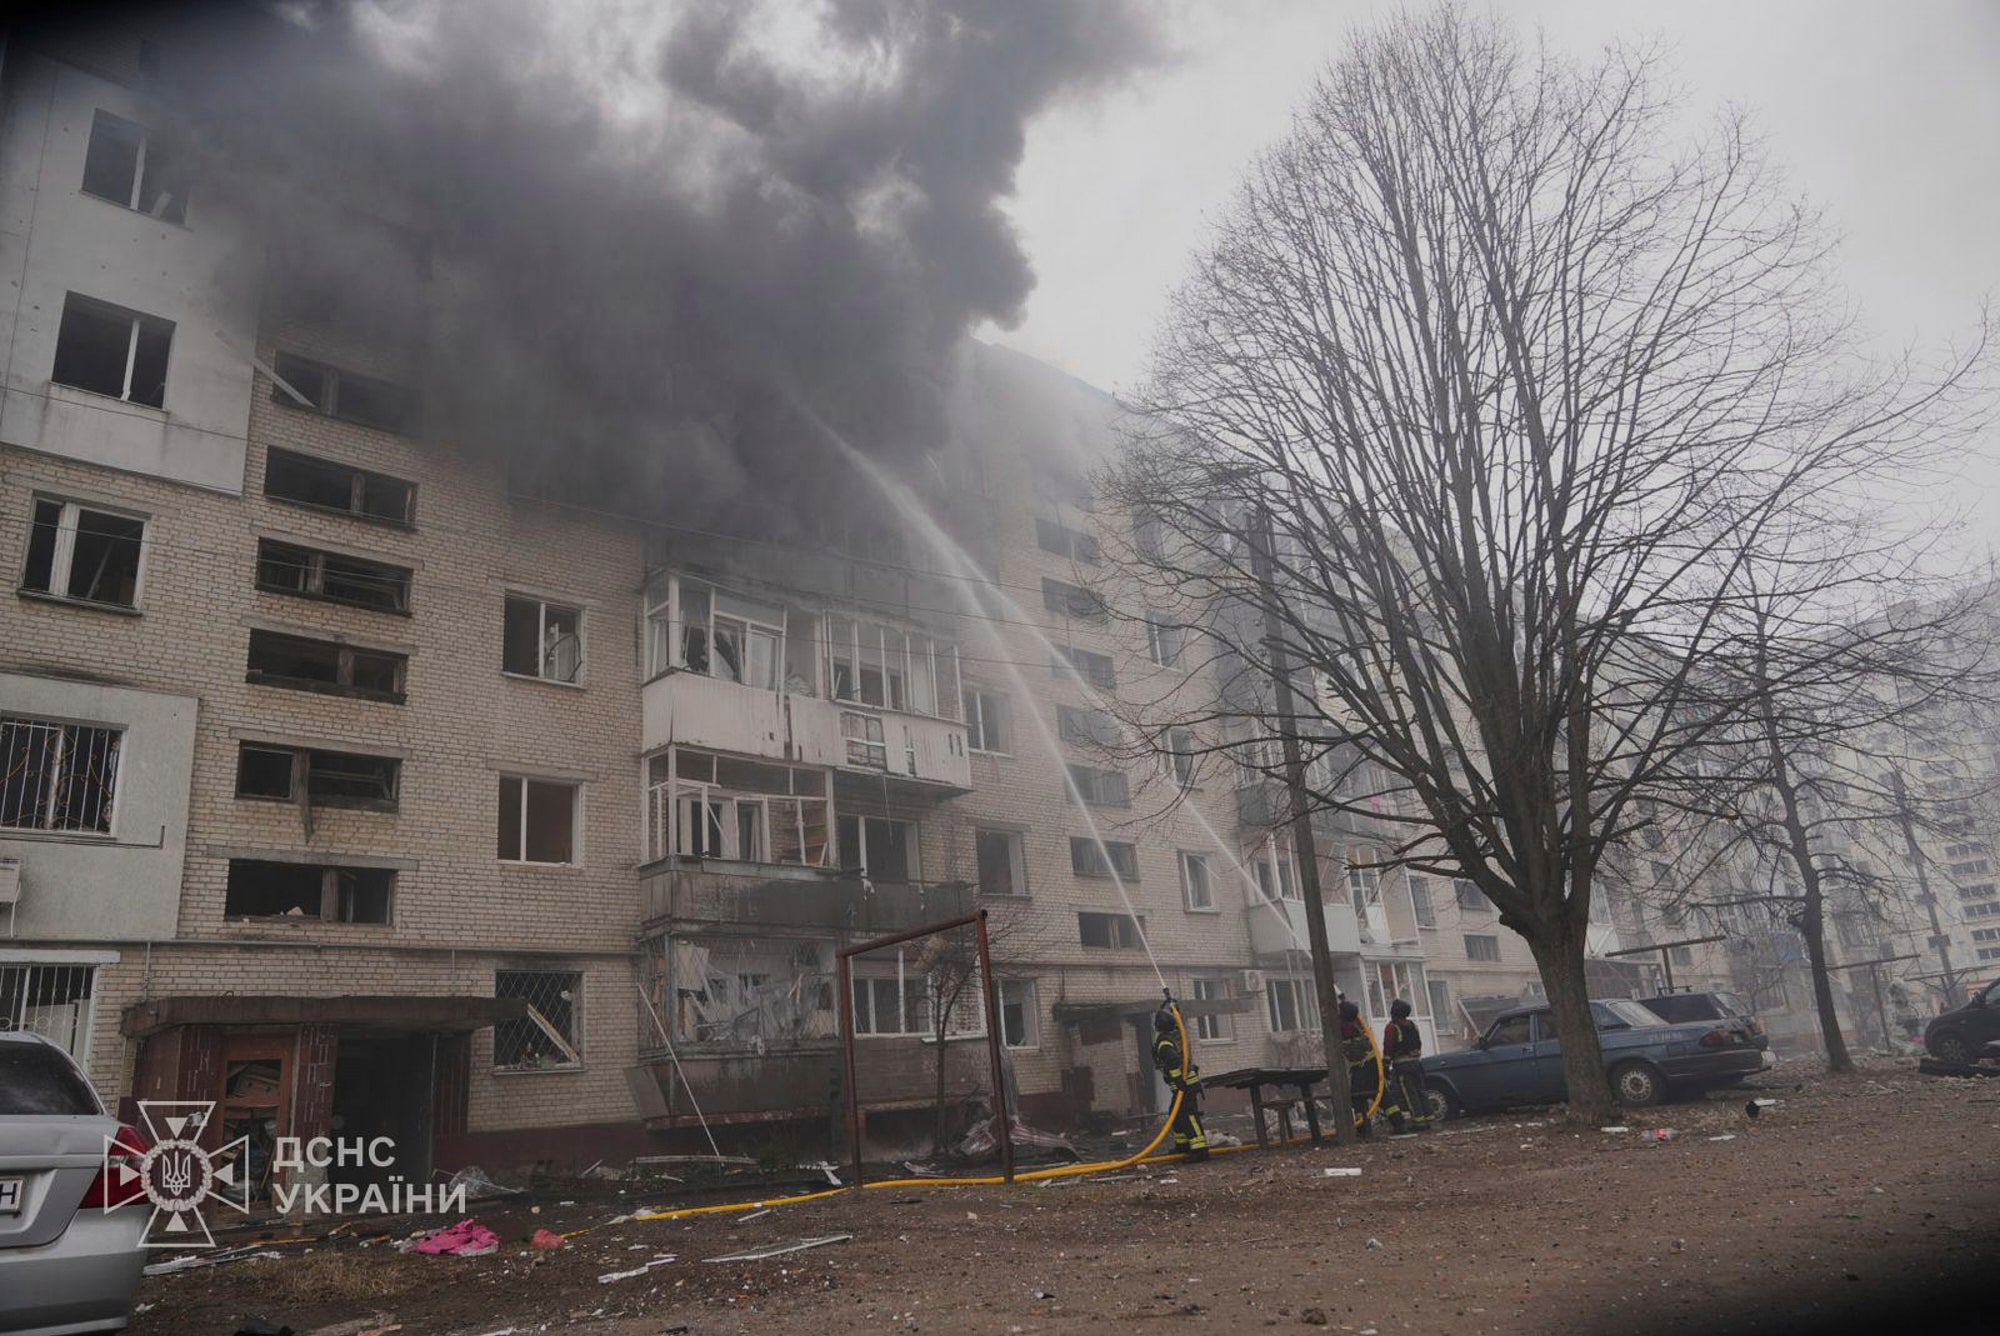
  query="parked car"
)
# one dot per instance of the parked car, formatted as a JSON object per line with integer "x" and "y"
{"x": 1683, "y": 1008}
{"x": 1519, "y": 1060}
{"x": 1964, "y": 1033}
{"x": 66, "y": 1263}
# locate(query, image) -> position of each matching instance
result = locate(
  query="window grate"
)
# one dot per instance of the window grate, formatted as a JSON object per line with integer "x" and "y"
{"x": 548, "y": 1039}
{"x": 53, "y": 1001}
{"x": 57, "y": 776}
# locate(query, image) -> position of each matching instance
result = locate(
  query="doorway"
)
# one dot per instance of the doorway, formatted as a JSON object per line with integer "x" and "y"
{"x": 382, "y": 1087}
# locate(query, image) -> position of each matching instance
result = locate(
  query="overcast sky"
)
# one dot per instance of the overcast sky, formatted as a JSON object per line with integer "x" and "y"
{"x": 1887, "y": 114}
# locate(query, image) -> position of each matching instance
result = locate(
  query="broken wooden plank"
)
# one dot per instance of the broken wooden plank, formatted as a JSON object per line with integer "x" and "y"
{"x": 763, "y": 1254}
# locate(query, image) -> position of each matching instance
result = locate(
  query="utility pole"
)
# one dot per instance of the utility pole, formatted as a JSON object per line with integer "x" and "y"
{"x": 1940, "y": 939}
{"x": 1305, "y": 848}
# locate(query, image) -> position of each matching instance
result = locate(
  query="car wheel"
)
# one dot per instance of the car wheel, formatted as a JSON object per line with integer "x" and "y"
{"x": 1440, "y": 1103}
{"x": 1637, "y": 1085}
{"x": 1950, "y": 1047}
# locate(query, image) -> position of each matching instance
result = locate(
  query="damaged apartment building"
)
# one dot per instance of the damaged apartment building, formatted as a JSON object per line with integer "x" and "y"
{"x": 345, "y": 787}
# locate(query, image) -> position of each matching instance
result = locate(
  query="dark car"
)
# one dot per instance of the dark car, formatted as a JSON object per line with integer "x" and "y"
{"x": 1684, "y": 1008}
{"x": 1962, "y": 1034}
{"x": 1519, "y": 1060}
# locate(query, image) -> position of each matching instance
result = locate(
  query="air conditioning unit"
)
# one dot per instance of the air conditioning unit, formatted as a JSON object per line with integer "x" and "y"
{"x": 10, "y": 881}
{"x": 1250, "y": 981}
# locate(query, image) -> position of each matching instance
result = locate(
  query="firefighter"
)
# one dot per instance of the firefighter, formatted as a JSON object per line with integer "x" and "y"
{"x": 1181, "y": 1076}
{"x": 1403, "y": 1051}
{"x": 1359, "y": 1051}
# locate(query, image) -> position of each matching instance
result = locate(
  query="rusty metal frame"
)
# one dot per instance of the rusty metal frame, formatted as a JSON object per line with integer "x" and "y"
{"x": 989, "y": 987}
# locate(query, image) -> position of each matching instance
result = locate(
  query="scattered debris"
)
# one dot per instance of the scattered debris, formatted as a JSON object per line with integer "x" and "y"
{"x": 759, "y": 1215}
{"x": 1313, "y": 1317}
{"x": 696, "y": 1159}
{"x": 610, "y": 1276}
{"x": 1726, "y": 1136}
{"x": 1045, "y": 1294}
{"x": 467, "y": 1238}
{"x": 762, "y": 1254}
{"x": 1614, "y": 1129}
{"x": 546, "y": 1239}
{"x": 1757, "y": 1106}
{"x": 198, "y": 1261}
{"x": 1374, "y": 1243}
{"x": 1660, "y": 1134}
{"x": 1341, "y": 1173}
{"x": 477, "y": 1185}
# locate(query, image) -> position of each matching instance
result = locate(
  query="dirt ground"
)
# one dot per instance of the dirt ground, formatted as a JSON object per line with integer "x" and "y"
{"x": 1861, "y": 1203}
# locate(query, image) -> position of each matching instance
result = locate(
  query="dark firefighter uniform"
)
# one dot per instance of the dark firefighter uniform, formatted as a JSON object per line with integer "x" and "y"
{"x": 1403, "y": 1053}
{"x": 1360, "y": 1055}
{"x": 1183, "y": 1077}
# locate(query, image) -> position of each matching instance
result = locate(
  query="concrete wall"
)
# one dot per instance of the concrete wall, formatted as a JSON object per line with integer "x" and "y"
{"x": 125, "y": 884}
{"x": 54, "y": 239}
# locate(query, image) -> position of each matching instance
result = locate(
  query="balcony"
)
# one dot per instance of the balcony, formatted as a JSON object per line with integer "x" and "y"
{"x": 1279, "y": 926}
{"x": 792, "y": 898}
{"x": 695, "y": 710}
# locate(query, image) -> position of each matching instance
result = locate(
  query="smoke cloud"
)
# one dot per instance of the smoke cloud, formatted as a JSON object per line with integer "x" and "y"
{"x": 628, "y": 241}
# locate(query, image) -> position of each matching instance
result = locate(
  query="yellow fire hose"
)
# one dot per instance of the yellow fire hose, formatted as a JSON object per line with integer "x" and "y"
{"x": 1144, "y": 1156}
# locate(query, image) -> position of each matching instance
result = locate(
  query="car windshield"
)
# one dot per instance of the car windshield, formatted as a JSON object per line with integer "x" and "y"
{"x": 36, "y": 1078}
{"x": 1733, "y": 1004}
{"x": 1617, "y": 1011}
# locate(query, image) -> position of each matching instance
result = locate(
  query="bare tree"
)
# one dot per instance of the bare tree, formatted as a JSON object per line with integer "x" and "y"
{"x": 1502, "y": 370}
{"x": 949, "y": 965}
{"x": 1842, "y": 718}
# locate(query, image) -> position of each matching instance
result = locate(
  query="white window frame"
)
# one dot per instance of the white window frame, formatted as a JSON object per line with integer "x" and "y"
{"x": 1492, "y": 937}
{"x": 1138, "y": 929}
{"x": 674, "y": 795}
{"x": 61, "y": 561}
{"x": 912, "y": 840}
{"x": 1214, "y": 1028}
{"x": 570, "y": 1045}
{"x": 1305, "y": 1003}
{"x": 575, "y": 819}
{"x": 1166, "y": 640}
{"x": 976, "y": 729}
{"x": 546, "y": 650}
{"x": 138, "y": 191}
{"x": 1017, "y": 858}
{"x": 866, "y": 738}
{"x": 866, "y": 1018}
{"x": 1021, "y": 993}
{"x": 1272, "y": 869}
{"x": 1418, "y": 885}
{"x": 1194, "y": 868}
{"x": 135, "y": 320}
{"x": 73, "y": 1035}
{"x": 1179, "y": 753}
{"x": 904, "y": 654}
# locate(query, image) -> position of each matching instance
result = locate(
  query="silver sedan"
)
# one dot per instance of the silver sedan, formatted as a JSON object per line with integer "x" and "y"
{"x": 67, "y": 1264}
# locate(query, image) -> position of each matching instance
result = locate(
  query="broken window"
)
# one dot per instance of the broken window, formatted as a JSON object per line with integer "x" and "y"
{"x": 1100, "y": 788}
{"x": 355, "y": 398}
{"x": 1093, "y": 728}
{"x": 550, "y": 1037}
{"x": 866, "y": 743}
{"x": 84, "y": 553}
{"x": 537, "y": 820}
{"x": 1196, "y": 890}
{"x": 1180, "y": 751}
{"x": 1096, "y": 669}
{"x": 1421, "y": 909}
{"x": 870, "y": 663}
{"x": 1059, "y": 538}
{"x": 1003, "y": 862}
{"x": 1272, "y": 867}
{"x": 1020, "y": 1016}
{"x": 323, "y": 778}
{"x": 305, "y": 664}
{"x": 541, "y": 639}
{"x": 986, "y": 721}
{"x": 1068, "y": 600}
{"x": 1164, "y": 639}
{"x": 286, "y": 568}
{"x": 308, "y": 481}
{"x": 57, "y": 776}
{"x": 1291, "y": 1004}
{"x": 1364, "y": 881}
{"x": 110, "y": 350}
{"x": 1210, "y": 1028}
{"x": 1087, "y": 858}
{"x": 723, "y": 634}
{"x": 259, "y": 889}
{"x": 700, "y": 805}
{"x": 879, "y": 848}
{"x": 1109, "y": 930}
{"x": 127, "y": 166}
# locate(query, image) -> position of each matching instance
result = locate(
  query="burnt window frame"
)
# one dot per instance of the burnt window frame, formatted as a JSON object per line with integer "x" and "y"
{"x": 302, "y": 769}
{"x": 346, "y": 658}
{"x": 336, "y": 899}
{"x": 292, "y": 369}
{"x": 358, "y": 480}
{"x": 315, "y": 568}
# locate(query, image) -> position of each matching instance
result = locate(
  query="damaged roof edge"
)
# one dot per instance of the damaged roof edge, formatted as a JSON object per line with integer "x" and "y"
{"x": 376, "y": 1012}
